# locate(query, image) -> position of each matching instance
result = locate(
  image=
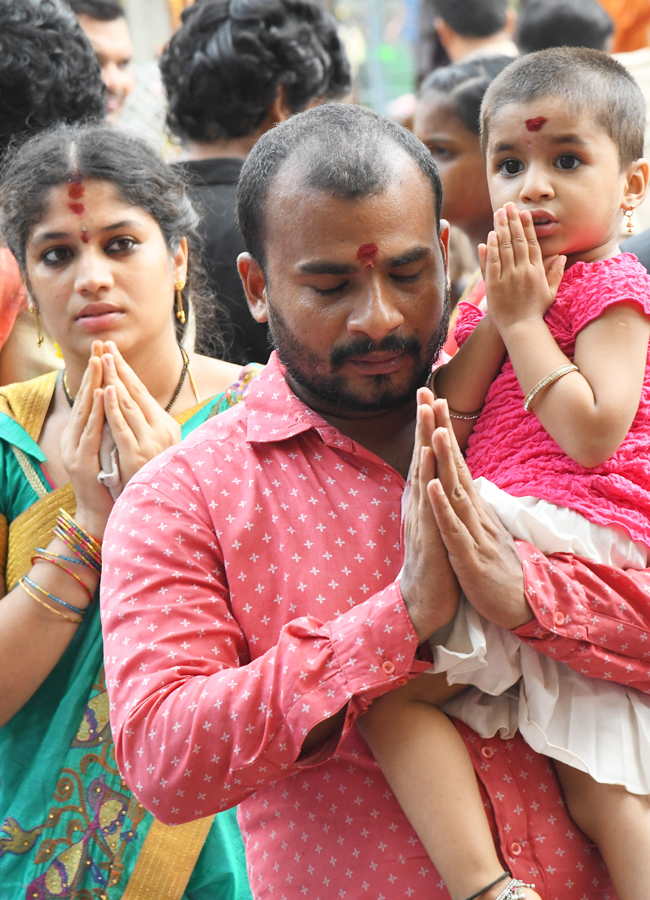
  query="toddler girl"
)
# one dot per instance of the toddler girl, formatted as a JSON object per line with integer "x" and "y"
{"x": 560, "y": 445}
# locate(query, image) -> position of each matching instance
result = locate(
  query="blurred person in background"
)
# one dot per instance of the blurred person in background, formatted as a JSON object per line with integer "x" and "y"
{"x": 447, "y": 121}
{"x": 563, "y": 23}
{"x": 466, "y": 28}
{"x": 105, "y": 26}
{"x": 48, "y": 74}
{"x": 631, "y": 24}
{"x": 231, "y": 72}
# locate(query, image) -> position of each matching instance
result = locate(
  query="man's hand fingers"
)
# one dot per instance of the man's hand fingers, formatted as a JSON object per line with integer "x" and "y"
{"x": 455, "y": 535}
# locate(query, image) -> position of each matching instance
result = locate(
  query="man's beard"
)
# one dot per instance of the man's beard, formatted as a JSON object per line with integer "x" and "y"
{"x": 302, "y": 365}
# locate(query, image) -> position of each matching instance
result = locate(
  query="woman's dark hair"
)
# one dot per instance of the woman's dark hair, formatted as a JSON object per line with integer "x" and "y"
{"x": 465, "y": 83}
{"x": 222, "y": 68}
{"x": 140, "y": 176}
{"x": 48, "y": 71}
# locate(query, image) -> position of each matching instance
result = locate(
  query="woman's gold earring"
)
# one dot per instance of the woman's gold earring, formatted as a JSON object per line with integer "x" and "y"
{"x": 628, "y": 214}
{"x": 34, "y": 311}
{"x": 180, "y": 312}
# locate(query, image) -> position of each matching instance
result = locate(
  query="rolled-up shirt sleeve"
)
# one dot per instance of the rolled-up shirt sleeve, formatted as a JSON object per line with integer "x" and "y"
{"x": 200, "y": 718}
{"x": 592, "y": 617}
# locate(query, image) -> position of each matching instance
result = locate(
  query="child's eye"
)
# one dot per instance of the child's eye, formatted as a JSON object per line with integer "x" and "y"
{"x": 567, "y": 161}
{"x": 510, "y": 167}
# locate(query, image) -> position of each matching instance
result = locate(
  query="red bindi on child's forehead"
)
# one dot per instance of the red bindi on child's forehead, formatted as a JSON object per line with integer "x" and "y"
{"x": 367, "y": 253}
{"x": 536, "y": 124}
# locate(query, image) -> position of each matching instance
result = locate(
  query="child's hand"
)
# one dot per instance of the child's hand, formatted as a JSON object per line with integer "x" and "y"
{"x": 520, "y": 283}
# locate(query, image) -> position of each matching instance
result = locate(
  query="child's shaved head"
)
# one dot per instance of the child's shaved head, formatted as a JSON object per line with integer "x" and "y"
{"x": 589, "y": 80}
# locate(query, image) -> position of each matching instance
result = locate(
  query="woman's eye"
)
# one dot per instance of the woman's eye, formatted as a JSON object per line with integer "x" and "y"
{"x": 122, "y": 245}
{"x": 567, "y": 161}
{"x": 510, "y": 167}
{"x": 56, "y": 255}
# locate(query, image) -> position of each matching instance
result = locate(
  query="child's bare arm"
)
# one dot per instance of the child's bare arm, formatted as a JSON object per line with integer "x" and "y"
{"x": 465, "y": 380}
{"x": 588, "y": 412}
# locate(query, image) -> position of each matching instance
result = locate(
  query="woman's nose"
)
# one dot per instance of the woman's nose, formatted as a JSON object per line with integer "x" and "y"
{"x": 93, "y": 272}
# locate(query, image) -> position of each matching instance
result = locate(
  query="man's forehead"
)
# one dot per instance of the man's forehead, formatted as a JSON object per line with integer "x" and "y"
{"x": 298, "y": 216}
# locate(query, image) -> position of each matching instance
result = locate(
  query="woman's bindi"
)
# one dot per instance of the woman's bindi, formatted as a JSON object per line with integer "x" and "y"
{"x": 367, "y": 253}
{"x": 536, "y": 124}
{"x": 76, "y": 192}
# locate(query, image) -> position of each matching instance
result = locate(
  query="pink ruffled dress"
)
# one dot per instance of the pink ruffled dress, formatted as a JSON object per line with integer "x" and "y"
{"x": 544, "y": 497}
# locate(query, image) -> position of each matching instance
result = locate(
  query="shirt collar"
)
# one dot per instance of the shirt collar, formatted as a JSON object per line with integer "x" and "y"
{"x": 274, "y": 413}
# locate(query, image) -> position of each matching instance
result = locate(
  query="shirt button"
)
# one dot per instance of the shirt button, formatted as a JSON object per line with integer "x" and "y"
{"x": 388, "y": 667}
{"x": 401, "y": 682}
{"x": 544, "y": 634}
{"x": 487, "y": 752}
{"x": 515, "y": 848}
{"x": 559, "y": 618}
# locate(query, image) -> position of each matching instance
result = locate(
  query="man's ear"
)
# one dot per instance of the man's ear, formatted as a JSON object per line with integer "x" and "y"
{"x": 254, "y": 281}
{"x": 443, "y": 237}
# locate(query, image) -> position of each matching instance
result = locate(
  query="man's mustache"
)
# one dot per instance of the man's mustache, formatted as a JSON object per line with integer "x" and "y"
{"x": 411, "y": 346}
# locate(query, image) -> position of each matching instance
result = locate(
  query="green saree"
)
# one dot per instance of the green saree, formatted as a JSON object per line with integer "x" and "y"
{"x": 69, "y": 827}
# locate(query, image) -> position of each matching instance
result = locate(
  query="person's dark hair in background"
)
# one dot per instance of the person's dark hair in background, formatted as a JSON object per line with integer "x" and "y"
{"x": 457, "y": 30}
{"x": 232, "y": 71}
{"x": 473, "y": 18}
{"x": 105, "y": 26}
{"x": 563, "y": 23}
{"x": 48, "y": 71}
{"x": 102, "y": 10}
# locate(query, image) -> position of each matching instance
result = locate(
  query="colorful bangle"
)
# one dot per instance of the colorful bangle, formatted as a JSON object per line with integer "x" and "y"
{"x": 62, "y": 603}
{"x": 47, "y": 605}
{"x": 54, "y": 559}
{"x": 87, "y": 548}
{"x": 545, "y": 382}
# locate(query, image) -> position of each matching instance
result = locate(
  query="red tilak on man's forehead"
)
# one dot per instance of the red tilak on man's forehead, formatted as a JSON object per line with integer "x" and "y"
{"x": 536, "y": 124}
{"x": 367, "y": 253}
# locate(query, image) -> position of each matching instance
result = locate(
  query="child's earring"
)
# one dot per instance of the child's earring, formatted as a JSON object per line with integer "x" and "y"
{"x": 180, "y": 312}
{"x": 34, "y": 311}
{"x": 629, "y": 213}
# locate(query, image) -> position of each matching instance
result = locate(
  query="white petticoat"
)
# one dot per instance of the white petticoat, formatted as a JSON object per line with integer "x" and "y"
{"x": 593, "y": 725}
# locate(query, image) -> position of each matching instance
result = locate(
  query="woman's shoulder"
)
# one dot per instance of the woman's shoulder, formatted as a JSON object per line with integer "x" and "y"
{"x": 213, "y": 376}
{"x": 27, "y": 402}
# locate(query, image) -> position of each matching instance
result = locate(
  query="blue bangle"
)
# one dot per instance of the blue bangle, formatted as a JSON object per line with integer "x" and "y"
{"x": 74, "y": 609}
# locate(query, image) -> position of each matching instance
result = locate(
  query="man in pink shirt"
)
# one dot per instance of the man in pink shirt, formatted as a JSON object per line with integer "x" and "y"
{"x": 249, "y": 600}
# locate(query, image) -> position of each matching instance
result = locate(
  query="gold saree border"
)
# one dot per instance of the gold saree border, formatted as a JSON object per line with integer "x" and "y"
{"x": 28, "y": 402}
{"x": 33, "y": 528}
{"x": 166, "y": 860}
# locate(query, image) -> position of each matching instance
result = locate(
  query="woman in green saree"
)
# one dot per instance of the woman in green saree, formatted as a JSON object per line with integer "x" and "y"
{"x": 102, "y": 231}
